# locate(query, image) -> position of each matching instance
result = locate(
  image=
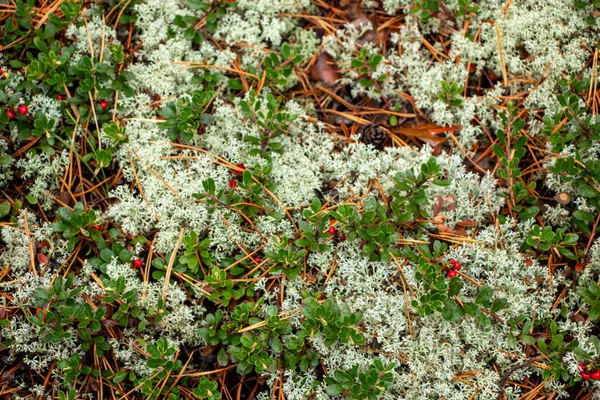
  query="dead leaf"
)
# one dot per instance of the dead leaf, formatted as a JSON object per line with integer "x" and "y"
{"x": 42, "y": 258}
{"x": 206, "y": 350}
{"x": 438, "y": 205}
{"x": 467, "y": 223}
{"x": 325, "y": 70}
{"x": 426, "y": 132}
{"x": 451, "y": 203}
{"x": 445, "y": 228}
{"x": 66, "y": 198}
{"x": 43, "y": 244}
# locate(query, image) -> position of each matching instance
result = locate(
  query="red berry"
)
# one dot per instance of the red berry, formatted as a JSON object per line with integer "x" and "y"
{"x": 232, "y": 184}
{"x": 23, "y": 109}
{"x": 96, "y": 227}
{"x": 238, "y": 172}
{"x": 343, "y": 237}
{"x": 585, "y": 376}
{"x": 1, "y": 71}
{"x": 11, "y": 114}
{"x": 596, "y": 375}
{"x": 257, "y": 259}
{"x": 103, "y": 104}
{"x": 137, "y": 263}
{"x": 60, "y": 97}
{"x": 37, "y": 310}
{"x": 581, "y": 367}
{"x": 455, "y": 264}
{"x": 332, "y": 230}
{"x": 452, "y": 274}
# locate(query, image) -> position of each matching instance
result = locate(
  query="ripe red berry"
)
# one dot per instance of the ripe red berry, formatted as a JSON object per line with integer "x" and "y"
{"x": 257, "y": 259}
{"x": 332, "y": 230}
{"x": 103, "y": 104}
{"x": 581, "y": 367}
{"x": 585, "y": 376}
{"x": 232, "y": 184}
{"x": 23, "y": 109}
{"x": 11, "y": 114}
{"x": 452, "y": 274}
{"x": 96, "y": 227}
{"x": 455, "y": 264}
{"x": 595, "y": 375}
{"x": 237, "y": 172}
{"x": 60, "y": 97}
{"x": 1, "y": 71}
{"x": 137, "y": 263}
{"x": 343, "y": 237}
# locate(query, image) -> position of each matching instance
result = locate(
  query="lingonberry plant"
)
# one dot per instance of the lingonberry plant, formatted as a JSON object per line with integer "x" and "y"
{"x": 233, "y": 199}
{"x": 357, "y": 384}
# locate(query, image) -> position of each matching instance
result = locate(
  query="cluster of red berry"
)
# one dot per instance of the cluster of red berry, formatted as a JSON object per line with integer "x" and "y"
{"x": 22, "y": 109}
{"x": 333, "y": 231}
{"x": 240, "y": 171}
{"x": 586, "y": 373}
{"x": 454, "y": 267}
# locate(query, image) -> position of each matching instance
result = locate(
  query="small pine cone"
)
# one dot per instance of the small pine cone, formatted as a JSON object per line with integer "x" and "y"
{"x": 374, "y": 134}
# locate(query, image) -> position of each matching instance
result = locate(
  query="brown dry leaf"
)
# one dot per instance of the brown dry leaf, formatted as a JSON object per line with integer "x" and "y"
{"x": 42, "y": 258}
{"x": 205, "y": 351}
{"x": 43, "y": 244}
{"x": 445, "y": 228}
{"x": 325, "y": 70}
{"x": 109, "y": 323}
{"x": 438, "y": 205}
{"x": 310, "y": 278}
{"x": 578, "y": 267}
{"x": 426, "y": 132}
{"x": 580, "y": 319}
{"x": 66, "y": 198}
{"x": 451, "y": 202}
{"x": 460, "y": 230}
{"x": 467, "y": 223}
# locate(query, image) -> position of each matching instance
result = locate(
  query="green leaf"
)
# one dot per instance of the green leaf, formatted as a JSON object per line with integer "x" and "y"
{"x": 472, "y": 309}
{"x": 595, "y": 312}
{"x": 499, "y": 304}
{"x": 556, "y": 341}
{"x": 484, "y": 296}
{"x": 528, "y": 213}
{"x": 587, "y": 191}
{"x": 155, "y": 362}
{"x": 454, "y": 287}
{"x": 4, "y": 209}
{"x": 235, "y": 84}
{"x": 120, "y": 376}
{"x": 527, "y": 339}
{"x": 107, "y": 255}
{"x": 335, "y": 389}
{"x": 583, "y": 216}
{"x": 452, "y": 312}
{"x": 222, "y": 357}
